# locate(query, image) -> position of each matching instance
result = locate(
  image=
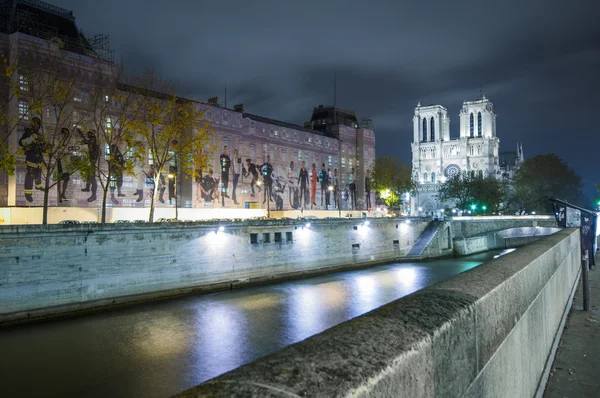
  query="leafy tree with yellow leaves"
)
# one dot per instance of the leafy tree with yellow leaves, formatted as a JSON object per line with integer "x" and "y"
{"x": 171, "y": 129}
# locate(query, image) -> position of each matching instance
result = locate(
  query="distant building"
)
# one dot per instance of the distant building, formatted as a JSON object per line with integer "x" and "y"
{"x": 436, "y": 156}
{"x": 334, "y": 137}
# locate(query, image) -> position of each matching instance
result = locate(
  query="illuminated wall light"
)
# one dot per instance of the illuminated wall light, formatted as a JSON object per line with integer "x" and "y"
{"x": 307, "y": 225}
{"x": 367, "y": 223}
{"x": 221, "y": 228}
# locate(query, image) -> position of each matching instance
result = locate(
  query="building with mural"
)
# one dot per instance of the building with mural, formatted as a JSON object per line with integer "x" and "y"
{"x": 341, "y": 147}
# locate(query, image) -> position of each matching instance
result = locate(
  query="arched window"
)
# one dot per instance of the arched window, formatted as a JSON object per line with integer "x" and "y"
{"x": 425, "y": 177}
{"x": 471, "y": 150}
{"x": 472, "y": 174}
{"x": 432, "y": 177}
{"x": 472, "y": 127}
{"x": 480, "y": 173}
{"x": 432, "y": 129}
{"x": 424, "y": 129}
{"x": 479, "y": 124}
{"x": 479, "y": 149}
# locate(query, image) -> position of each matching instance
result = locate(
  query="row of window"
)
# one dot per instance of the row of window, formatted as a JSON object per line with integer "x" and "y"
{"x": 471, "y": 125}
{"x": 472, "y": 174}
{"x": 432, "y": 177}
{"x": 431, "y": 130}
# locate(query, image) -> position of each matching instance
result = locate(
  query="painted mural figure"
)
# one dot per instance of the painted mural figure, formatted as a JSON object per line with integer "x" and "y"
{"x": 251, "y": 170}
{"x": 280, "y": 183}
{"x": 33, "y": 144}
{"x": 61, "y": 175}
{"x": 267, "y": 171}
{"x": 93, "y": 154}
{"x": 117, "y": 166}
{"x": 323, "y": 181}
{"x": 151, "y": 183}
{"x": 313, "y": 185}
{"x": 225, "y": 162}
{"x": 293, "y": 188}
{"x": 303, "y": 180}
{"x": 237, "y": 170}
{"x": 209, "y": 187}
{"x": 368, "y": 191}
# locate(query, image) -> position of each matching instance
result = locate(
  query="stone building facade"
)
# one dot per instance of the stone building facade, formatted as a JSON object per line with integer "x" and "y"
{"x": 346, "y": 147}
{"x": 436, "y": 156}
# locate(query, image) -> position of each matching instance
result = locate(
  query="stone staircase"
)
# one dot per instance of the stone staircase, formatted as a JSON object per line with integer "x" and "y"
{"x": 425, "y": 239}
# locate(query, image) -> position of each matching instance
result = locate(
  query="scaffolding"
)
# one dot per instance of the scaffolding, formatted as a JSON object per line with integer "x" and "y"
{"x": 27, "y": 19}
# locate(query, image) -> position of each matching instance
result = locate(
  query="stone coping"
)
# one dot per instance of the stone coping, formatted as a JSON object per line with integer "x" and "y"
{"x": 434, "y": 342}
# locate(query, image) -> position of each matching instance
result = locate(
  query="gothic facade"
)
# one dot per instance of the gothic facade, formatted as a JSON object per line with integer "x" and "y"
{"x": 436, "y": 156}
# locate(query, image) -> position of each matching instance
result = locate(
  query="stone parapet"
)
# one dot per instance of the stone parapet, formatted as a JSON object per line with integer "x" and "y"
{"x": 487, "y": 332}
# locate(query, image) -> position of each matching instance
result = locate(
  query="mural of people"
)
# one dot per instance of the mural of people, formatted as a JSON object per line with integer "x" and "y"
{"x": 61, "y": 175}
{"x": 33, "y": 145}
{"x": 323, "y": 181}
{"x": 293, "y": 188}
{"x": 225, "y": 162}
{"x": 267, "y": 171}
{"x": 328, "y": 191}
{"x": 279, "y": 183}
{"x": 209, "y": 187}
{"x": 303, "y": 180}
{"x": 313, "y": 185}
{"x": 151, "y": 183}
{"x": 368, "y": 191}
{"x": 93, "y": 154}
{"x": 116, "y": 165}
{"x": 237, "y": 170}
{"x": 253, "y": 171}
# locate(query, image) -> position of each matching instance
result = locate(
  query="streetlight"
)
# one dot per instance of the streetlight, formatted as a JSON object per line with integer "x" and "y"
{"x": 330, "y": 188}
{"x": 484, "y": 208}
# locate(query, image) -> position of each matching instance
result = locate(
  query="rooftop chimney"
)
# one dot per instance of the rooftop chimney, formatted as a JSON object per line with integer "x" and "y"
{"x": 239, "y": 108}
{"x": 214, "y": 101}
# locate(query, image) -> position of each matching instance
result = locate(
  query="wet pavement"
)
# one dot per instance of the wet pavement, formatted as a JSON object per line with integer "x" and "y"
{"x": 574, "y": 372}
{"x": 161, "y": 348}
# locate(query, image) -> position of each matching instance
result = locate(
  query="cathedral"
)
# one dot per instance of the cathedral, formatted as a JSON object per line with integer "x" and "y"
{"x": 436, "y": 156}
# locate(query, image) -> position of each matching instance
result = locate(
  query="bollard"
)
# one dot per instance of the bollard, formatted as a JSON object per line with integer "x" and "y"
{"x": 586, "y": 281}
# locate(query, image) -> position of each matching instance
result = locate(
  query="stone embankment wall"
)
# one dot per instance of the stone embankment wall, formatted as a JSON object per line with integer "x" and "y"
{"x": 490, "y": 331}
{"x": 480, "y": 234}
{"x": 60, "y": 268}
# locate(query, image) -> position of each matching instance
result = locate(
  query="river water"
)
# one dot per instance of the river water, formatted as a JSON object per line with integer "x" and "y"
{"x": 161, "y": 348}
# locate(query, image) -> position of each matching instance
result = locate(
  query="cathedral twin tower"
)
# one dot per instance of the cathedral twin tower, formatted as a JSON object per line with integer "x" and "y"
{"x": 437, "y": 157}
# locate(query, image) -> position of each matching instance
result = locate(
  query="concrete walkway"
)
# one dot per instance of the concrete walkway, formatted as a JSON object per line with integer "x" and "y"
{"x": 576, "y": 368}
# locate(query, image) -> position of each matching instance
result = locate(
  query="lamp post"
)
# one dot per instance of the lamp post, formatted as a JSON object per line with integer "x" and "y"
{"x": 330, "y": 189}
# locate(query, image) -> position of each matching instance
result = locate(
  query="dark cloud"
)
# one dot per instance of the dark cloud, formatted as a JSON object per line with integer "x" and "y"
{"x": 538, "y": 61}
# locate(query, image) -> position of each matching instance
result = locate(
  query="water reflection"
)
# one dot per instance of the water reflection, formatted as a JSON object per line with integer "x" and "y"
{"x": 159, "y": 349}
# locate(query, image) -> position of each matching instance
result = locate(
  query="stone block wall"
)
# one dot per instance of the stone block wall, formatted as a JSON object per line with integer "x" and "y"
{"x": 57, "y": 268}
{"x": 489, "y": 332}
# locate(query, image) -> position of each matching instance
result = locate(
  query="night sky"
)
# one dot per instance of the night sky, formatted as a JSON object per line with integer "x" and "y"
{"x": 537, "y": 61}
